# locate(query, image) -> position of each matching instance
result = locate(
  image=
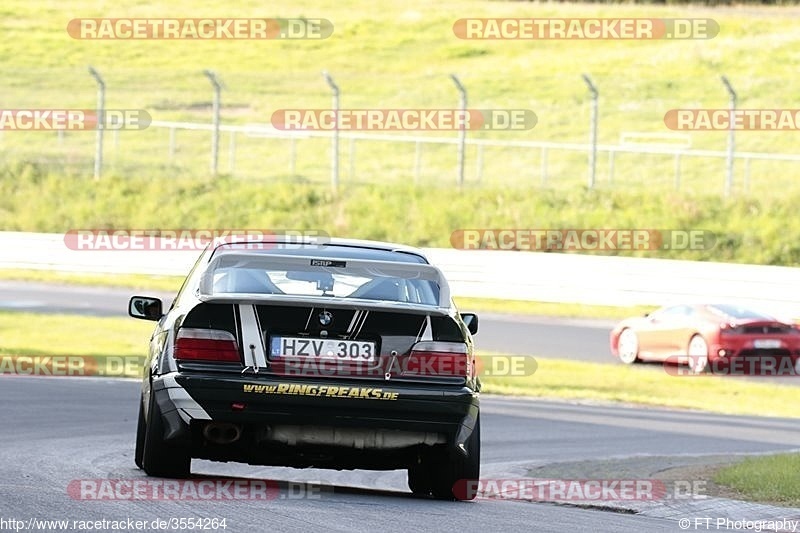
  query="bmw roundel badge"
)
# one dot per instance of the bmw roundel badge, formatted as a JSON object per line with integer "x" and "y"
{"x": 325, "y": 318}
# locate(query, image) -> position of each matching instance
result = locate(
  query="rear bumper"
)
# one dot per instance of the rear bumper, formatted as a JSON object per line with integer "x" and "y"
{"x": 746, "y": 347}
{"x": 259, "y": 405}
{"x": 767, "y": 363}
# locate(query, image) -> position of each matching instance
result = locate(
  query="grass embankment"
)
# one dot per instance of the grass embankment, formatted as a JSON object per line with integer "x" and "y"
{"x": 769, "y": 479}
{"x": 400, "y": 56}
{"x": 757, "y": 230}
{"x": 647, "y": 385}
{"x": 106, "y": 346}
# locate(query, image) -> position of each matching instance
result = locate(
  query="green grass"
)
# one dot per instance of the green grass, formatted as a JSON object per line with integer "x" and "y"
{"x": 53, "y": 334}
{"x": 103, "y": 340}
{"x": 770, "y": 479}
{"x": 757, "y": 230}
{"x": 647, "y": 385}
{"x": 400, "y": 56}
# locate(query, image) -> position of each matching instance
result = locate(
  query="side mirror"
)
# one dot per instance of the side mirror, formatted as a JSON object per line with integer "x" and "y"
{"x": 471, "y": 321}
{"x": 145, "y": 308}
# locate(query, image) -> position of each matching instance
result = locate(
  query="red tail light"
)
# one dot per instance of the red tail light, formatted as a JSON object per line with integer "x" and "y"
{"x": 730, "y": 329}
{"x": 442, "y": 359}
{"x": 206, "y": 345}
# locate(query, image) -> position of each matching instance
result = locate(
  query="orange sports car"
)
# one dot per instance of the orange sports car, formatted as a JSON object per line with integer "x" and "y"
{"x": 704, "y": 334}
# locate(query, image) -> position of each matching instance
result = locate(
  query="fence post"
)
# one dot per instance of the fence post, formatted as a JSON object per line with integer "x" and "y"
{"x": 462, "y": 136}
{"x": 335, "y": 141}
{"x": 593, "y": 131}
{"x": 101, "y": 108}
{"x": 731, "y": 140}
{"x": 212, "y": 77}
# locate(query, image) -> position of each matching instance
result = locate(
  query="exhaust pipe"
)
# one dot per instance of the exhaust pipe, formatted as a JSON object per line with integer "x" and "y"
{"x": 222, "y": 432}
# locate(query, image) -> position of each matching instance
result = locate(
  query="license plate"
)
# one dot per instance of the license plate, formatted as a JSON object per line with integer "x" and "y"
{"x": 767, "y": 343}
{"x": 336, "y": 349}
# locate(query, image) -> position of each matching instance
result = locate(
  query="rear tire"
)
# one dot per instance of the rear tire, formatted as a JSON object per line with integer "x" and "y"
{"x": 159, "y": 458}
{"x": 455, "y": 477}
{"x": 141, "y": 431}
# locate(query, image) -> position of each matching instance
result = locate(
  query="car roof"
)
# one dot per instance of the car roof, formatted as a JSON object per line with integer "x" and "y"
{"x": 327, "y": 247}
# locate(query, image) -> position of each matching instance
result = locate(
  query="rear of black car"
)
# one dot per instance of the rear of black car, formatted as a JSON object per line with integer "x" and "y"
{"x": 343, "y": 385}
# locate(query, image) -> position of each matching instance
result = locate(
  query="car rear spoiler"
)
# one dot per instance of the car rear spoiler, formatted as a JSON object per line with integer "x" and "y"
{"x": 207, "y": 292}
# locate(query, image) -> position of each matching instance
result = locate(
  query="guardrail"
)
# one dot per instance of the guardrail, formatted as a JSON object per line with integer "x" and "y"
{"x": 536, "y": 276}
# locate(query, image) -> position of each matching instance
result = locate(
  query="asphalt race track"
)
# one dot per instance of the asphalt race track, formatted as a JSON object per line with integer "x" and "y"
{"x": 57, "y": 430}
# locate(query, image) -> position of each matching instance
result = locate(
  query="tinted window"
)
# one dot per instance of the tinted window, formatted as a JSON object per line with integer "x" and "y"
{"x": 739, "y": 312}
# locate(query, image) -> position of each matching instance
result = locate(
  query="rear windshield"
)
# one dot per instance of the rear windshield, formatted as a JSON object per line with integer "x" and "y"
{"x": 739, "y": 312}
{"x": 231, "y": 273}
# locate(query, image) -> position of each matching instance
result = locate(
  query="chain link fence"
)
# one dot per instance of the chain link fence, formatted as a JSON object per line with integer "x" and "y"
{"x": 634, "y": 148}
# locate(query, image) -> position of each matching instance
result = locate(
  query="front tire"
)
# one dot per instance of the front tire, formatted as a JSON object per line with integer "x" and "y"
{"x": 628, "y": 346}
{"x": 159, "y": 458}
{"x": 456, "y": 477}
